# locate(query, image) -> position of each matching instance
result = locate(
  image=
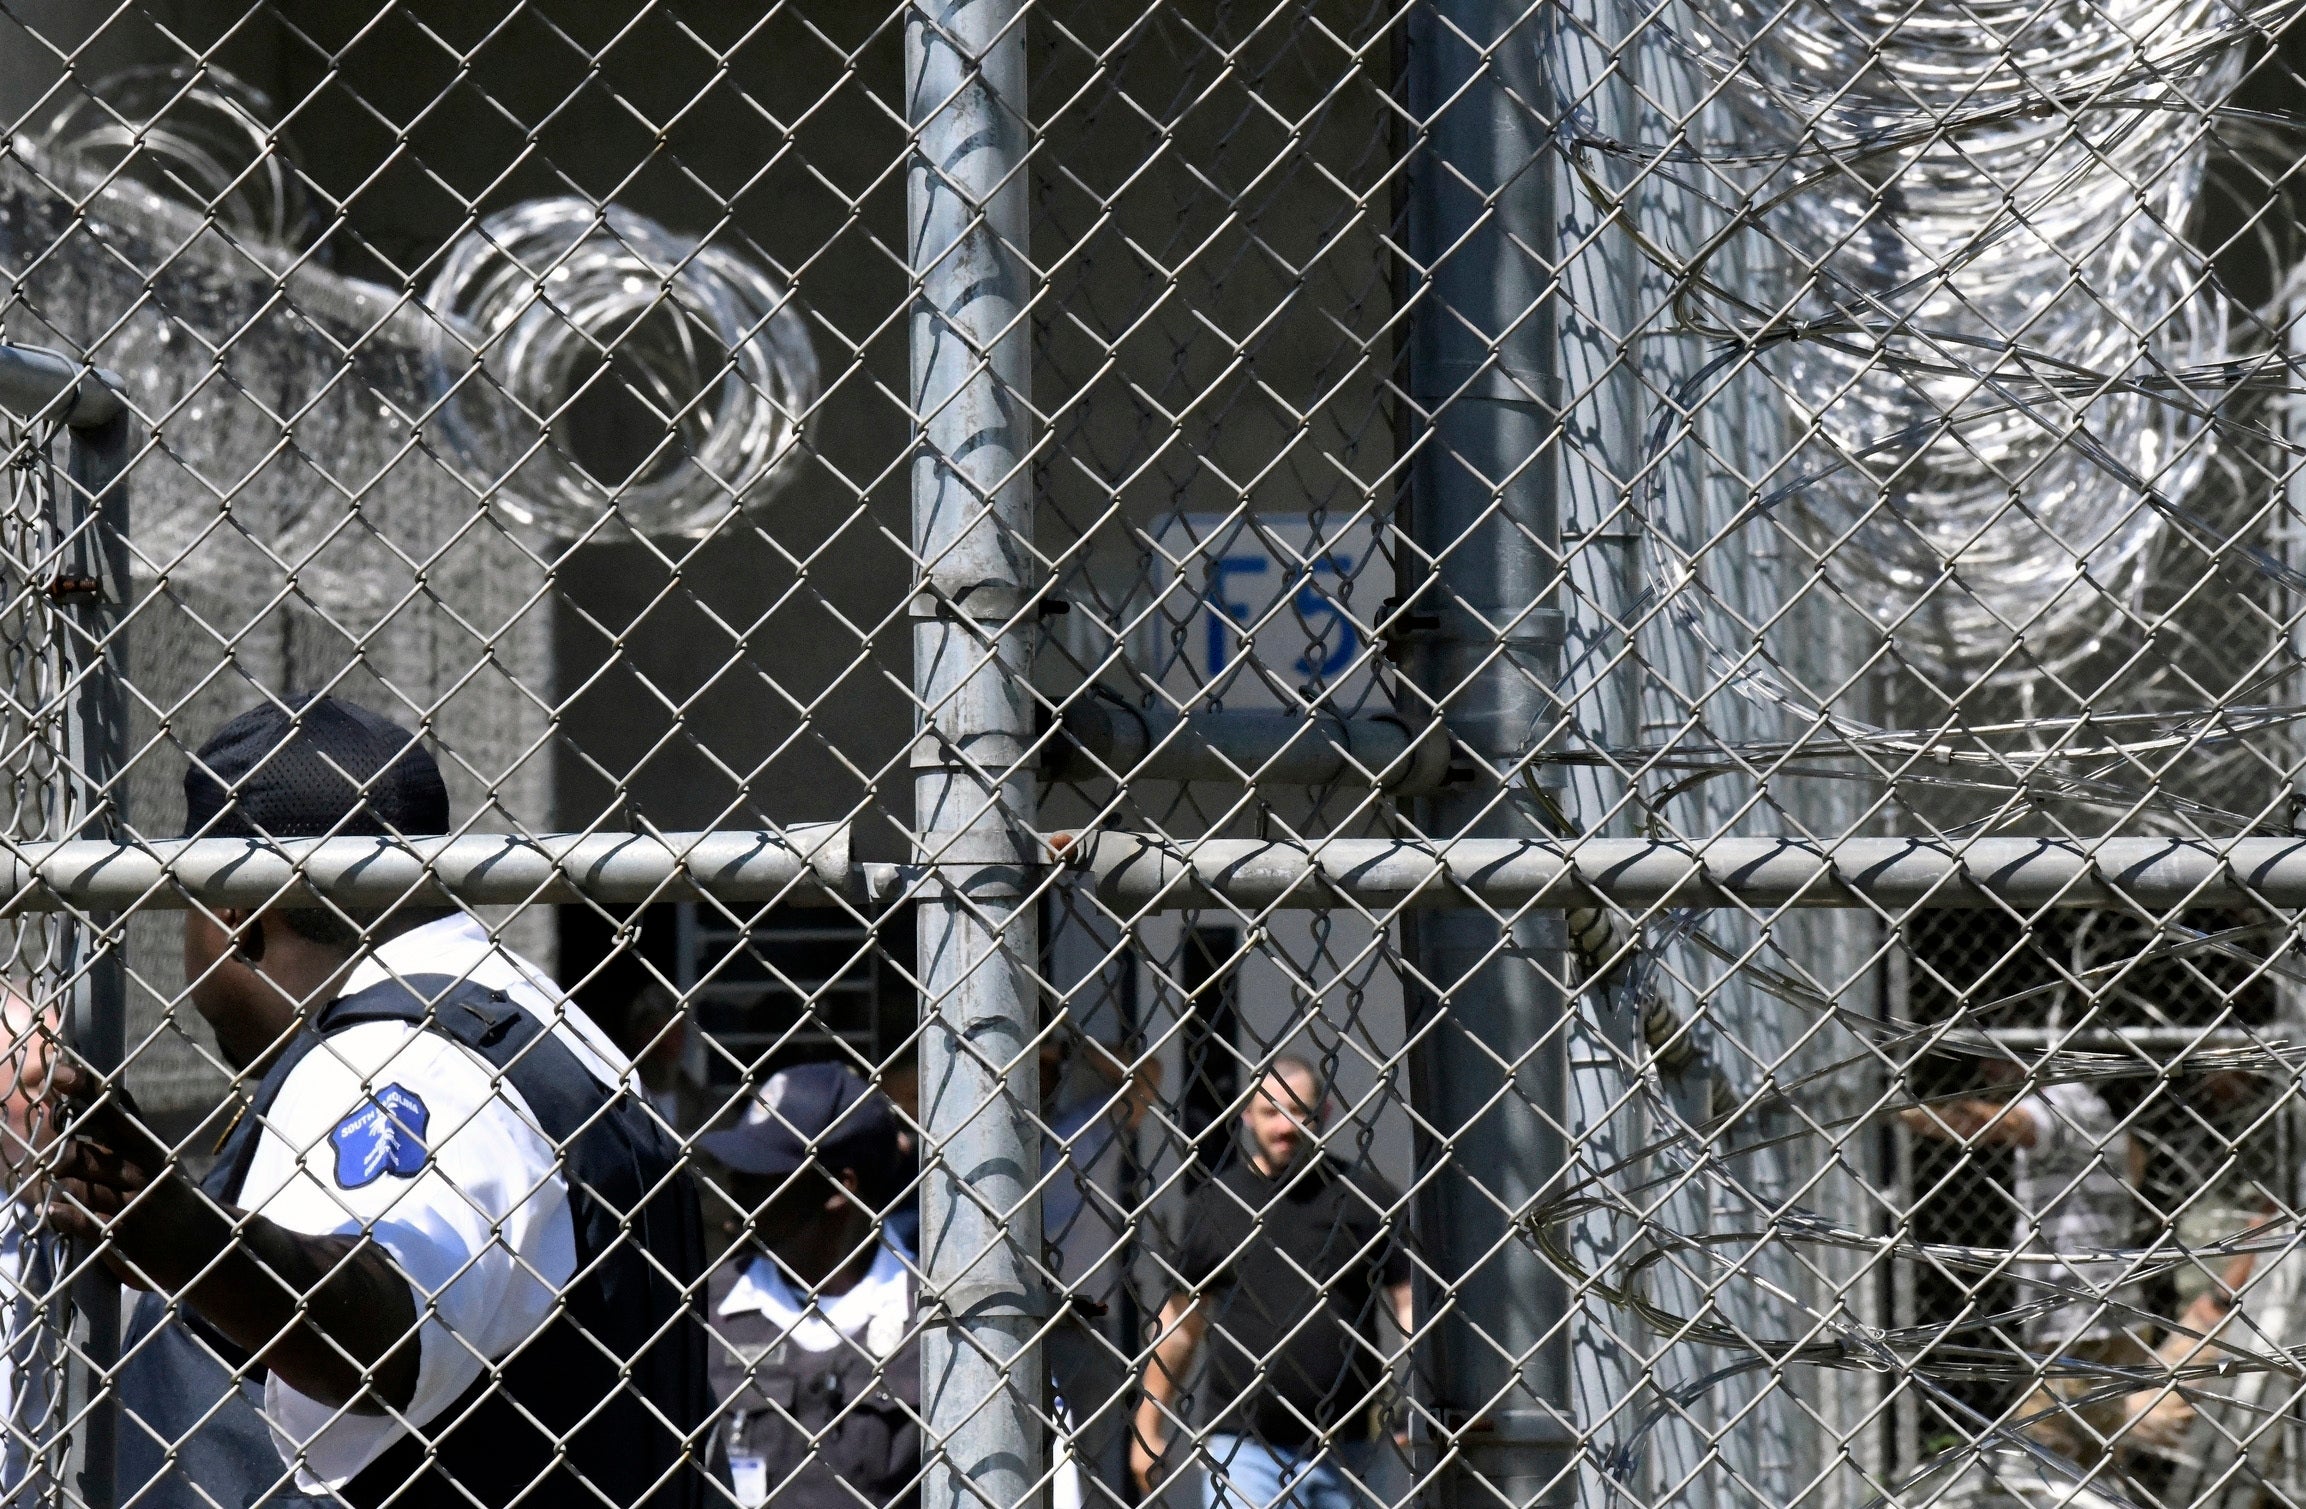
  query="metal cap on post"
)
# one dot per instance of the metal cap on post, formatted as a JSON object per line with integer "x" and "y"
{"x": 38, "y": 384}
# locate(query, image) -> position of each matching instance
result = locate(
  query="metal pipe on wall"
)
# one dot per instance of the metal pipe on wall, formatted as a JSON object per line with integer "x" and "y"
{"x": 1478, "y": 572}
{"x": 1594, "y": 326}
{"x": 983, "y": 1303}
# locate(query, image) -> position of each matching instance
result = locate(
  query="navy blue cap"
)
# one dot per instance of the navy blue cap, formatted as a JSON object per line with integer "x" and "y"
{"x": 850, "y": 1123}
{"x": 310, "y": 768}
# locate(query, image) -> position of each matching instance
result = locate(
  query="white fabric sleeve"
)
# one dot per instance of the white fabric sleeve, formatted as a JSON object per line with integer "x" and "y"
{"x": 403, "y": 1134}
{"x": 2072, "y": 1126}
{"x": 2039, "y": 1117}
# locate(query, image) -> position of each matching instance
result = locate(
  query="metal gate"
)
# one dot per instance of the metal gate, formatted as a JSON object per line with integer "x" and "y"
{"x": 1525, "y": 753}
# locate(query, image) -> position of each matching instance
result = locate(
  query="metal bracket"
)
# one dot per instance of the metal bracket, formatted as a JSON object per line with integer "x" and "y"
{"x": 983, "y": 603}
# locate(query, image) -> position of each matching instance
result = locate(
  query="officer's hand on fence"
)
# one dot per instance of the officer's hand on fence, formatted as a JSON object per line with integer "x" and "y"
{"x": 103, "y": 1178}
{"x": 27, "y": 1116}
{"x": 329, "y": 1315}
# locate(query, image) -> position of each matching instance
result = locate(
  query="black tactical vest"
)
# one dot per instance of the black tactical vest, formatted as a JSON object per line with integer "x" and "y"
{"x": 617, "y": 1376}
{"x": 838, "y": 1429}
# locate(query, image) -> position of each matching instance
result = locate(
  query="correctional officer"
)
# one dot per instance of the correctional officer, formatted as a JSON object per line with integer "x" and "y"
{"x": 815, "y": 1350}
{"x": 2075, "y": 1186}
{"x": 443, "y": 1256}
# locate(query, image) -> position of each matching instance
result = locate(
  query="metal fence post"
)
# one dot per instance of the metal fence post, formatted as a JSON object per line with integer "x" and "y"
{"x": 1484, "y": 528}
{"x": 93, "y": 579}
{"x": 982, "y": 1298}
{"x": 85, "y": 558}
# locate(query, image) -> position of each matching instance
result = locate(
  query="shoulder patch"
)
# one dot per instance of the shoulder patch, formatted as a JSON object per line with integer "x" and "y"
{"x": 384, "y": 1136}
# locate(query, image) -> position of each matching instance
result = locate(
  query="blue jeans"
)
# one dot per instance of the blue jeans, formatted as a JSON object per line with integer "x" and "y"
{"x": 1246, "y": 1473}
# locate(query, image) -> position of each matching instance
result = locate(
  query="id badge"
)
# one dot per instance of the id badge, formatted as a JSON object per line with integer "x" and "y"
{"x": 749, "y": 1476}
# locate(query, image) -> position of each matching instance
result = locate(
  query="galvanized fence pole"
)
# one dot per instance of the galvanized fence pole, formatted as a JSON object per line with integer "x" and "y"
{"x": 1483, "y": 533}
{"x": 982, "y": 1296}
{"x": 83, "y": 553}
{"x": 92, "y": 584}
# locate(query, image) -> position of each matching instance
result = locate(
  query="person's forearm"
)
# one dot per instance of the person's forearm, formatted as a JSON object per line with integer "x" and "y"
{"x": 1976, "y": 1123}
{"x": 331, "y": 1316}
{"x": 1165, "y": 1373}
{"x": 1151, "y": 1426}
{"x": 1144, "y": 1090}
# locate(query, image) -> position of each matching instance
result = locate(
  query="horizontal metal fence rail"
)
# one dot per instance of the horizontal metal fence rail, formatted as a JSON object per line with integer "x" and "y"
{"x": 810, "y": 864}
{"x": 42, "y": 384}
{"x": 1888, "y": 874}
{"x": 480, "y": 869}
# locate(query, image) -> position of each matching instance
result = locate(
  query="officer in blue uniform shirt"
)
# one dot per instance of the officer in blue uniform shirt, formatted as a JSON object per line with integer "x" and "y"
{"x": 446, "y": 1255}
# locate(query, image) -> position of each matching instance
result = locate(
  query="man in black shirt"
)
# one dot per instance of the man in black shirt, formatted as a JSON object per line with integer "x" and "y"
{"x": 1287, "y": 1255}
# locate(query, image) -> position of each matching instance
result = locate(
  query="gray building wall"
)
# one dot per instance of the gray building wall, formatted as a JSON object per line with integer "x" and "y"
{"x": 1210, "y": 196}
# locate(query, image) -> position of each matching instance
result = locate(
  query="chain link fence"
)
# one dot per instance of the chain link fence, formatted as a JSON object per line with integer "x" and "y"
{"x": 1036, "y": 754}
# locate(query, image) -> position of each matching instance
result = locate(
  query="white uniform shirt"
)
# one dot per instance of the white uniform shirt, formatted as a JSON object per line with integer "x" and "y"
{"x": 19, "y": 1313}
{"x": 31, "y": 1356}
{"x": 458, "y": 945}
{"x": 392, "y": 1130}
{"x": 875, "y": 1312}
{"x": 2072, "y": 1201}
